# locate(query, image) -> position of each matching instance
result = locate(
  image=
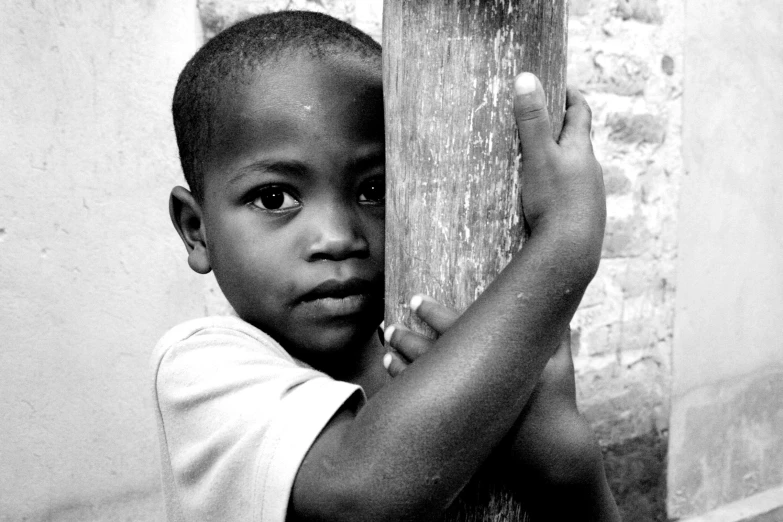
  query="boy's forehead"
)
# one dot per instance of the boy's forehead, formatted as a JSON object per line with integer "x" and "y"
{"x": 294, "y": 79}
{"x": 293, "y": 96}
{"x": 293, "y": 82}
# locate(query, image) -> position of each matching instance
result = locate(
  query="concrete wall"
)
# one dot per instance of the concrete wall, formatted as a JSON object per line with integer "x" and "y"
{"x": 91, "y": 272}
{"x": 727, "y": 406}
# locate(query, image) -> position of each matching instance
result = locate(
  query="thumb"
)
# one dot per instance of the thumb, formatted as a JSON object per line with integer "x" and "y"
{"x": 532, "y": 116}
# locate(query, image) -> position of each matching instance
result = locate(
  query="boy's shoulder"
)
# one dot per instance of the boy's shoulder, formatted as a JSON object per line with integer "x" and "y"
{"x": 215, "y": 337}
{"x": 236, "y": 414}
{"x": 228, "y": 324}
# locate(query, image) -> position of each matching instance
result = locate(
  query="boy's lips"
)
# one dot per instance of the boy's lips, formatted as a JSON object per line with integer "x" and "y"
{"x": 339, "y": 298}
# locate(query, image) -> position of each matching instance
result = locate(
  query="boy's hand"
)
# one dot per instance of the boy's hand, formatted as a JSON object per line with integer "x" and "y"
{"x": 409, "y": 345}
{"x": 562, "y": 183}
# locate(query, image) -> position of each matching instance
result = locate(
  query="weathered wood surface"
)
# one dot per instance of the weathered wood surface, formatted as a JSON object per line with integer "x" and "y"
{"x": 454, "y": 214}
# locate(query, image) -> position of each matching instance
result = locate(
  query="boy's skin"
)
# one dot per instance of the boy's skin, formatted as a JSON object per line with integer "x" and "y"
{"x": 292, "y": 223}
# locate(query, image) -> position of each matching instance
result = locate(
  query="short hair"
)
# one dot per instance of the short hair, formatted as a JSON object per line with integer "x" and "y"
{"x": 239, "y": 50}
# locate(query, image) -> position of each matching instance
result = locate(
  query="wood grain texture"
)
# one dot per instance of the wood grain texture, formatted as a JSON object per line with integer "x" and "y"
{"x": 454, "y": 216}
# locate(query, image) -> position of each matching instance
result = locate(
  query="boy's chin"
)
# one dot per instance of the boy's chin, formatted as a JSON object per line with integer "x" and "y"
{"x": 332, "y": 345}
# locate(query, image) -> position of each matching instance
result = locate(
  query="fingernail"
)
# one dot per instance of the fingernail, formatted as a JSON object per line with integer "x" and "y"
{"x": 416, "y": 301}
{"x": 387, "y": 334}
{"x": 525, "y": 83}
{"x": 387, "y": 359}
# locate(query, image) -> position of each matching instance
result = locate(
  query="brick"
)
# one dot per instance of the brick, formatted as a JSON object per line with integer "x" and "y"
{"x": 621, "y": 74}
{"x": 654, "y": 185}
{"x": 616, "y": 182}
{"x": 597, "y": 341}
{"x": 578, "y": 7}
{"x": 626, "y": 237}
{"x": 636, "y": 128}
{"x": 646, "y": 11}
{"x": 667, "y": 64}
{"x": 581, "y": 66}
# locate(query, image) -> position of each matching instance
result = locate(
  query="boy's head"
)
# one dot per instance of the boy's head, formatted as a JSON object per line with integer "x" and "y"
{"x": 279, "y": 122}
{"x": 239, "y": 52}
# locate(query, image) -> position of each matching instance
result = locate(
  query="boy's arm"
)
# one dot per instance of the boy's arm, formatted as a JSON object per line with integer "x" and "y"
{"x": 418, "y": 441}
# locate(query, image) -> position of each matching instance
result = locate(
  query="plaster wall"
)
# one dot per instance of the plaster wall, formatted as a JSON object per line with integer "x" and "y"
{"x": 727, "y": 393}
{"x": 91, "y": 273}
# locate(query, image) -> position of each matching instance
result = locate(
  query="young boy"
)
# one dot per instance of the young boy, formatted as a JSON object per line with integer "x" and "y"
{"x": 295, "y": 409}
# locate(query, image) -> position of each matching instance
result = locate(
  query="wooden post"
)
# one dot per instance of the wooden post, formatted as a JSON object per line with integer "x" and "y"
{"x": 454, "y": 215}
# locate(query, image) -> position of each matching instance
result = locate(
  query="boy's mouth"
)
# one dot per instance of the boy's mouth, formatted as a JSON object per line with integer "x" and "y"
{"x": 338, "y": 298}
{"x": 338, "y": 289}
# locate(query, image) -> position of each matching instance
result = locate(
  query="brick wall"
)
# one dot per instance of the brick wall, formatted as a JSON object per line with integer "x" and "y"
{"x": 627, "y": 57}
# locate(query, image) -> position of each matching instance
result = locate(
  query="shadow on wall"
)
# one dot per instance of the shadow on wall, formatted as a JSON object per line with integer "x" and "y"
{"x": 636, "y": 469}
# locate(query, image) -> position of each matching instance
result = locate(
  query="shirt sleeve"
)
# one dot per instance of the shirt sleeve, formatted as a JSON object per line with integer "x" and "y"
{"x": 237, "y": 415}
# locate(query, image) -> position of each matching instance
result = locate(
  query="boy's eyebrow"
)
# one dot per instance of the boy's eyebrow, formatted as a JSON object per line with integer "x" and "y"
{"x": 290, "y": 167}
{"x": 298, "y": 169}
{"x": 368, "y": 160}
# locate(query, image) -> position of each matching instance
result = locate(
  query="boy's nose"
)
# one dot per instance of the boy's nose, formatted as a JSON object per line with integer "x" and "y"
{"x": 336, "y": 235}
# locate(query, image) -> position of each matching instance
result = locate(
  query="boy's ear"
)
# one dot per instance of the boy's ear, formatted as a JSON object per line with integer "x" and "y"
{"x": 187, "y": 217}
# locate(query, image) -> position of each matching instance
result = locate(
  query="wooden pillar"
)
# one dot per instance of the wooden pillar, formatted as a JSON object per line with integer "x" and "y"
{"x": 454, "y": 215}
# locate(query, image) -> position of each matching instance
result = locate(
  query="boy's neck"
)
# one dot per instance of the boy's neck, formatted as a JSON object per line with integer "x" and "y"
{"x": 365, "y": 369}
{"x": 373, "y": 376}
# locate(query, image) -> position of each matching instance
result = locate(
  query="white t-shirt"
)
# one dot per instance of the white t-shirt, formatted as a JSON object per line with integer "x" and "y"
{"x": 236, "y": 415}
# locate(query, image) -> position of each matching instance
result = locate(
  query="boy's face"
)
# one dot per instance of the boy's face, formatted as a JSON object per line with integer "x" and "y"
{"x": 293, "y": 204}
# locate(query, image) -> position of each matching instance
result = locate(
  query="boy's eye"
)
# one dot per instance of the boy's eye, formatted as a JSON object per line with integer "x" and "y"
{"x": 373, "y": 191}
{"x": 274, "y": 198}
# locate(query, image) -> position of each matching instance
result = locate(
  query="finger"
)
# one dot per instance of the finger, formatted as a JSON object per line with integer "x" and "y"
{"x": 532, "y": 117}
{"x": 578, "y": 119}
{"x": 394, "y": 364}
{"x": 407, "y": 343}
{"x": 435, "y": 315}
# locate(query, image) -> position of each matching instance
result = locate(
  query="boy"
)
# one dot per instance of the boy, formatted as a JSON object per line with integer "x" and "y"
{"x": 293, "y": 410}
